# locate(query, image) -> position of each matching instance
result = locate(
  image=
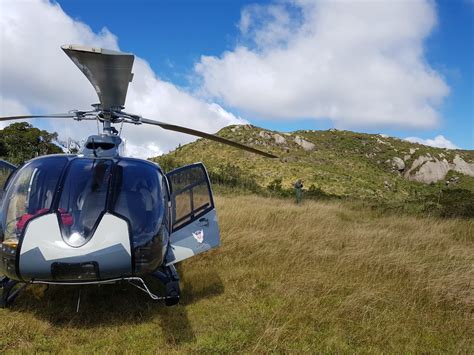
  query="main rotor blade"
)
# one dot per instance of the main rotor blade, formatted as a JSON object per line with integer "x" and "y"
{"x": 54, "y": 115}
{"x": 212, "y": 137}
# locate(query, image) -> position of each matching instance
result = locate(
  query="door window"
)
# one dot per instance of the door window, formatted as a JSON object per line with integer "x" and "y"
{"x": 191, "y": 194}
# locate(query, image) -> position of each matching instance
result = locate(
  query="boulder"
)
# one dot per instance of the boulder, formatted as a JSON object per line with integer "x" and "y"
{"x": 279, "y": 139}
{"x": 304, "y": 143}
{"x": 461, "y": 166}
{"x": 398, "y": 163}
{"x": 427, "y": 169}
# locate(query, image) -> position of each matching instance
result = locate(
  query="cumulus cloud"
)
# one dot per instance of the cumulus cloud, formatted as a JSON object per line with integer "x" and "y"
{"x": 36, "y": 76}
{"x": 439, "y": 141}
{"x": 358, "y": 63}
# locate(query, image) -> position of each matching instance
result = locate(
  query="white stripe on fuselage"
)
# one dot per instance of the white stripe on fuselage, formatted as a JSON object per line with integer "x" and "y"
{"x": 44, "y": 233}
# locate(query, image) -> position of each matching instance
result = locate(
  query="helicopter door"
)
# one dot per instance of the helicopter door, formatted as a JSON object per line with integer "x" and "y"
{"x": 194, "y": 221}
{"x": 6, "y": 169}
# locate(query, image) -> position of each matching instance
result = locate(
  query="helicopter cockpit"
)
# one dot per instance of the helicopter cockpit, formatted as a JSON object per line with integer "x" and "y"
{"x": 81, "y": 193}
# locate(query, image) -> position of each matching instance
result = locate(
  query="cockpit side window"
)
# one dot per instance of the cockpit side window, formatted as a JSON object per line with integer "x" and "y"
{"x": 6, "y": 169}
{"x": 30, "y": 194}
{"x": 83, "y": 198}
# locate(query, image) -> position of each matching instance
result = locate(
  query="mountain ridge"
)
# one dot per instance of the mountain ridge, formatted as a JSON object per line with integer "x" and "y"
{"x": 335, "y": 163}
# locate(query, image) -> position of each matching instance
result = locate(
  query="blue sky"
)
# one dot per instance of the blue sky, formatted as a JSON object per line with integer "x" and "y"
{"x": 172, "y": 36}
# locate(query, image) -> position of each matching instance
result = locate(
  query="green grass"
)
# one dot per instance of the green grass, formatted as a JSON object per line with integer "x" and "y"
{"x": 328, "y": 276}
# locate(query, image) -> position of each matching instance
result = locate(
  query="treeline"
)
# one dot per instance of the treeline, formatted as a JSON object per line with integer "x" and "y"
{"x": 20, "y": 142}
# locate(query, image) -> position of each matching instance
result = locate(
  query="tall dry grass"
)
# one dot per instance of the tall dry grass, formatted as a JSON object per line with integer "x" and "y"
{"x": 322, "y": 277}
{"x": 350, "y": 279}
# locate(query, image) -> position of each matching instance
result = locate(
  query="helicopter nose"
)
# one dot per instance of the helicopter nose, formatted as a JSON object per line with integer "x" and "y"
{"x": 44, "y": 254}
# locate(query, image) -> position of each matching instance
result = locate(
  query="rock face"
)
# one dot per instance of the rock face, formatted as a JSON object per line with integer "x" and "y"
{"x": 461, "y": 166}
{"x": 304, "y": 143}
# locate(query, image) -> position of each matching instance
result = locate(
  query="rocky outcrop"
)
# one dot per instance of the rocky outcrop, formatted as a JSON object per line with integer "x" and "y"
{"x": 304, "y": 143}
{"x": 461, "y": 166}
{"x": 430, "y": 169}
{"x": 279, "y": 139}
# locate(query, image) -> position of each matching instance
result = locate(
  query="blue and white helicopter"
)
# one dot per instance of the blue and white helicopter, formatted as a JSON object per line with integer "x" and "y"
{"x": 98, "y": 217}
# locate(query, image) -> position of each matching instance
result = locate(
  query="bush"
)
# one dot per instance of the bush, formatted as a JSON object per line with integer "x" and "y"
{"x": 275, "y": 185}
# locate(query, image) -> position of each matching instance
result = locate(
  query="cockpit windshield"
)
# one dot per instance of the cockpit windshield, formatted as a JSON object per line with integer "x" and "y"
{"x": 138, "y": 198}
{"x": 83, "y": 198}
{"x": 80, "y": 191}
{"x": 30, "y": 194}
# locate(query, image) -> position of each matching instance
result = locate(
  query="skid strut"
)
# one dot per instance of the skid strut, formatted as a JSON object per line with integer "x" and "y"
{"x": 9, "y": 291}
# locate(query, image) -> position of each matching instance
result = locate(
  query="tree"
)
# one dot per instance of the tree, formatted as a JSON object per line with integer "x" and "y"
{"x": 20, "y": 142}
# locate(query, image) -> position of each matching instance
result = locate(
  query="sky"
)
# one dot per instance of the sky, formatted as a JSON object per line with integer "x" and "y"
{"x": 402, "y": 68}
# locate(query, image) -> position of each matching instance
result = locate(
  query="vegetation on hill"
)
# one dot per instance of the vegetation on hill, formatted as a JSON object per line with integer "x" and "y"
{"x": 325, "y": 277}
{"x": 333, "y": 164}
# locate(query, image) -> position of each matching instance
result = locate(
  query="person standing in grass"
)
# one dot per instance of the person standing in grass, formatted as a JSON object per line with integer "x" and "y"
{"x": 299, "y": 191}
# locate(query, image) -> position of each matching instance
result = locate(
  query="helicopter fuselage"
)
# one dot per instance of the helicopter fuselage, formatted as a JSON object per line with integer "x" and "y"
{"x": 98, "y": 216}
{"x": 75, "y": 218}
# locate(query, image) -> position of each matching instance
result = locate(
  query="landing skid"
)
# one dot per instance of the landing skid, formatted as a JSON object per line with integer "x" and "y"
{"x": 167, "y": 275}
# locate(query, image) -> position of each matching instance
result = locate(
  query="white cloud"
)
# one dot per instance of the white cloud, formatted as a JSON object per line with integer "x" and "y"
{"x": 358, "y": 63}
{"x": 9, "y": 107}
{"x": 439, "y": 141}
{"x": 36, "y": 76}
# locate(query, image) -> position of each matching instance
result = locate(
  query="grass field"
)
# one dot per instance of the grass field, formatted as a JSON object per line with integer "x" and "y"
{"x": 326, "y": 277}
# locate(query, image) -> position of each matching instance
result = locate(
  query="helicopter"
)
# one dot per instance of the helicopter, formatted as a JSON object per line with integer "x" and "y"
{"x": 98, "y": 217}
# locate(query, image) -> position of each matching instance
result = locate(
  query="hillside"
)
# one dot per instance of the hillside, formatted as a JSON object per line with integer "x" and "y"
{"x": 325, "y": 277}
{"x": 340, "y": 164}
